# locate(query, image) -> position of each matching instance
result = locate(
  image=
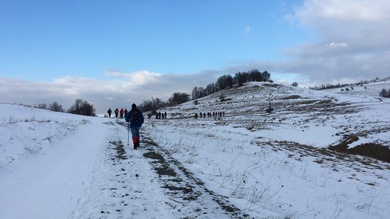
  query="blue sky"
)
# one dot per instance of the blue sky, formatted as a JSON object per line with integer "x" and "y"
{"x": 49, "y": 39}
{"x": 132, "y": 45}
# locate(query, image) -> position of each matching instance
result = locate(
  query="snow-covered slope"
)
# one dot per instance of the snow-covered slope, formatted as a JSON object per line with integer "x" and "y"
{"x": 247, "y": 164}
{"x": 316, "y": 118}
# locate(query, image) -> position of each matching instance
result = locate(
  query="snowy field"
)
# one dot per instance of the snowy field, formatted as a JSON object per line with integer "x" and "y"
{"x": 246, "y": 164}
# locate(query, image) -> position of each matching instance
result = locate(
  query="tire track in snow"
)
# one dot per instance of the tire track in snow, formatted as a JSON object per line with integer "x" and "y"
{"x": 121, "y": 186}
{"x": 188, "y": 194}
{"x": 147, "y": 183}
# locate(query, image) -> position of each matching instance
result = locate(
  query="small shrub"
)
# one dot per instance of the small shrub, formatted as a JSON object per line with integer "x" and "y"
{"x": 384, "y": 93}
{"x": 56, "y": 107}
{"x": 294, "y": 84}
{"x": 81, "y": 107}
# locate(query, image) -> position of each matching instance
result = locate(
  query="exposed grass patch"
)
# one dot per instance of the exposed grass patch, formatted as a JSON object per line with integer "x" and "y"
{"x": 291, "y": 97}
{"x": 120, "y": 150}
{"x": 373, "y": 150}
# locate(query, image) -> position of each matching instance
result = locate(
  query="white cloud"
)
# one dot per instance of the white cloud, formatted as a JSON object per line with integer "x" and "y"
{"x": 345, "y": 11}
{"x": 109, "y": 98}
{"x": 137, "y": 78}
{"x": 353, "y": 36}
{"x": 336, "y": 45}
{"x": 248, "y": 30}
{"x": 144, "y": 77}
{"x": 121, "y": 90}
{"x": 353, "y": 42}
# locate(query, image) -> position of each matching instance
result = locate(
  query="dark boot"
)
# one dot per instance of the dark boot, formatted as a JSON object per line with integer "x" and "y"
{"x": 135, "y": 143}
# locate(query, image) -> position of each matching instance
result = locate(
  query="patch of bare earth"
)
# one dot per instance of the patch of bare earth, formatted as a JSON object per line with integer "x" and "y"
{"x": 187, "y": 192}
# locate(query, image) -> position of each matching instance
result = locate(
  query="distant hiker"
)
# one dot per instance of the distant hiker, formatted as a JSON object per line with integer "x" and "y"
{"x": 136, "y": 120}
{"x": 109, "y": 111}
{"x": 165, "y": 115}
{"x": 116, "y": 112}
{"x": 196, "y": 115}
{"x": 125, "y": 113}
{"x": 121, "y": 112}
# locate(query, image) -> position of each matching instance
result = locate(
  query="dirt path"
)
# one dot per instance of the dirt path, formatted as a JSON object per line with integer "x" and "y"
{"x": 187, "y": 193}
{"x": 123, "y": 184}
{"x": 148, "y": 183}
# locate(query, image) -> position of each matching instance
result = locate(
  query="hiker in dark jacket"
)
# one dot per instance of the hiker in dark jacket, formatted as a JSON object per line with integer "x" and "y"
{"x": 109, "y": 111}
{"x": 136, "y": 119}
{"x": 116, "y": 112}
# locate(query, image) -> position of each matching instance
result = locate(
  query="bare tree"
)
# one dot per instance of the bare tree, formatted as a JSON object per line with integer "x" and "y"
{"x": 41, "y": 106}
{"x": 81, "y": 107}
{"x": 178, "y": 98}
{"x": 56, "y": 107}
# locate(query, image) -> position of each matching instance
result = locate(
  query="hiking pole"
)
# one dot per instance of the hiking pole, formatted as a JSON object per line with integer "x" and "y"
{"x": 128, "y": 133}
{"x": 142, "y": 136}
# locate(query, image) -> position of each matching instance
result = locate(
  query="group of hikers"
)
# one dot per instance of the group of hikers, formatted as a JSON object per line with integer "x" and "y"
{"x": 134, "y": 117}
{"x": 159, "y": 115}
{"x": 121, "y": 113}
{"x": 210, "y": 115}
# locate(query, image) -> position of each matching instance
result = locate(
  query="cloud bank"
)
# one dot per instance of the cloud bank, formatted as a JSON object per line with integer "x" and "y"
{"x": 353, "y": 43}
{"x": 353, "y": 40}
{"x": 119, "y": 90}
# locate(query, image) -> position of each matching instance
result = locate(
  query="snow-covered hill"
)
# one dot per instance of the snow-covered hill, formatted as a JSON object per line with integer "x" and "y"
{"x": 246, "y": 164}
{"x": 315, "y": 118}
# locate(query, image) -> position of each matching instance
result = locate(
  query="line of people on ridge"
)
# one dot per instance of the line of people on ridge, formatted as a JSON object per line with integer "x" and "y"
{"x": 121, "y": 113}
{"x": 209, "y": 115}
{"x": 159, "y": 115}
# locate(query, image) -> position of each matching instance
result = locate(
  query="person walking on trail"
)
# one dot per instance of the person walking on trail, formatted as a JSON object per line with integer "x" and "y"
{"x": 109, "y": 111}
{"x": 136, "y": 119}
{"x": 116, "y": 112}
{"x": 121, "y": 112}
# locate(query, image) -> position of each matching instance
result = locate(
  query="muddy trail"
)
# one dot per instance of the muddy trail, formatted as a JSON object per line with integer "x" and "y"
{"x": 188, "y": 196}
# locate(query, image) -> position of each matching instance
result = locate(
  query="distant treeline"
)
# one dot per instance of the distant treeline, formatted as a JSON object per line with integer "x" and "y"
{"x": 385, "y": 93}
{"x": 223, "y": 82}
{"x": 331, "y": 86}
{"x": 228, "y": 81}
{"x": 156, "y": 103}
{"x": 80, "y": 107}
